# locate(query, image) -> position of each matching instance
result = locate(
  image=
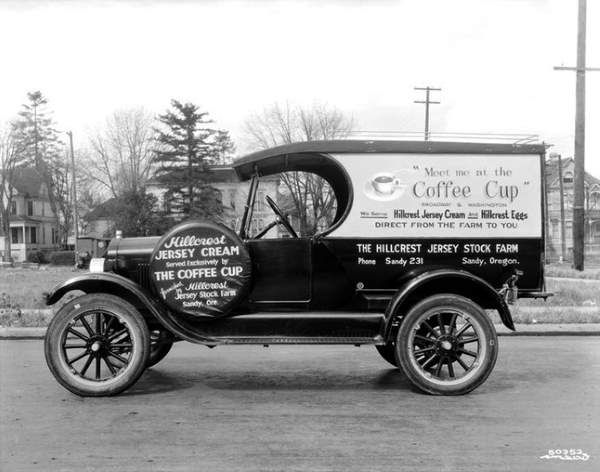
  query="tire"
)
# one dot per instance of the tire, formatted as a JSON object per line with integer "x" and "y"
{"x": 161, "y": 342}
{"x": 97, "y": 345}
{"x": 447, "y": 345}
{"x": 388, "y": 352}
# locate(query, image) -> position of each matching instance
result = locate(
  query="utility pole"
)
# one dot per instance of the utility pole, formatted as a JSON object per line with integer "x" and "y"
{"x": 578, "y": 180}
{"x": 427, "y": 102}
{"x": 563, "y": 242}
{"x": 74, "y": 188}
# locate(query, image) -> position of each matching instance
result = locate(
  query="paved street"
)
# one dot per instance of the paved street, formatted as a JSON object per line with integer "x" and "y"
{"x": 305, "y": 408}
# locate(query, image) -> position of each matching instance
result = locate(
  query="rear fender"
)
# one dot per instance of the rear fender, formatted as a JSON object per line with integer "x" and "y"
{"x": 445, "y": 281}
{"x": 130, "y": 291}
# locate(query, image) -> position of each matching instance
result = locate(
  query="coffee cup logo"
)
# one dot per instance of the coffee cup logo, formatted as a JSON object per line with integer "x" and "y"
{"x": 385, "y": 184}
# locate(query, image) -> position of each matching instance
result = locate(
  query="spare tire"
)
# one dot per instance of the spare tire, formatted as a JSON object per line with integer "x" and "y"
{"x": 201, "y": 269}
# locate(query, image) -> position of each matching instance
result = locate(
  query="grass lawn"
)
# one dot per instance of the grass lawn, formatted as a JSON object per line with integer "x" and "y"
{"x": 565, "y": 270}
{"x": 24, "y": 288}
{"x": 574, "y": 301}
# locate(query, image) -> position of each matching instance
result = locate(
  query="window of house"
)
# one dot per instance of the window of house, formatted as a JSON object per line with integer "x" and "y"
{"x": 594, "y": 201}
{"x": 54, "y": 236}
{"x": 14, "y": 235}
{"x": 29, "y": 207}
{"x": 13, "y": 207}
{"x": 33, "y": 235}
{"x": 554, "y": 229}
{"x": 568, "y": 178}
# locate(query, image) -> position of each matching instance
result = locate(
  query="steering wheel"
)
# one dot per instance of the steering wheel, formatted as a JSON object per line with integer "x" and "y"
{"x": 281, "y": 216}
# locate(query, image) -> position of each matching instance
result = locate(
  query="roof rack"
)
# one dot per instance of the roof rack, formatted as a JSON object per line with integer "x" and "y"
{"x": 447, "y": 136}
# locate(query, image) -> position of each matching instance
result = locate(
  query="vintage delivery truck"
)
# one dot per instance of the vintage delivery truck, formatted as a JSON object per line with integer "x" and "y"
{"x": 424, "y": 237}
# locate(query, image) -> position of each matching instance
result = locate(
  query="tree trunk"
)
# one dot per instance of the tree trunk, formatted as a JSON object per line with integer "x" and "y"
{"x": 7, "y": 234}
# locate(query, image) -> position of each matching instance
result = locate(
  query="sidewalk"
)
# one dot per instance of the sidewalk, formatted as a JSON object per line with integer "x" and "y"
{"x": 564, "y": 329}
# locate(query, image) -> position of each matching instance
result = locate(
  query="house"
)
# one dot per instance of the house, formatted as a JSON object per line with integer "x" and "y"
{"x": 591, "y": 207}
{"x": 234, "y": 195}
{"x": 33, "y": 225}
{"x": 99, "y": 221}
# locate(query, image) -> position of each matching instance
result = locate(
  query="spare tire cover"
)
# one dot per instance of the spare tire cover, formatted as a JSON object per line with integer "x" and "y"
{"x": 201, "y": 268}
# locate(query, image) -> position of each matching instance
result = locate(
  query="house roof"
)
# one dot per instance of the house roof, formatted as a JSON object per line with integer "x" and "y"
{"x": 103, "y": 211}
{"x": 29, "y": 182}
{"x": 24, "y": 219}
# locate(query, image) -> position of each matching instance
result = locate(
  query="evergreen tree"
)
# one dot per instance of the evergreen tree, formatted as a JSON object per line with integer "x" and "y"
{"x": 135, "y": 214}
{"x": 185, "y": 149}
{"x": 224, "y": 148}
{"x": 38, "y": 144}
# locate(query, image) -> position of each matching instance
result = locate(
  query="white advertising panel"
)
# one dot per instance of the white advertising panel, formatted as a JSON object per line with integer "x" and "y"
{"x": 443, "y": 195}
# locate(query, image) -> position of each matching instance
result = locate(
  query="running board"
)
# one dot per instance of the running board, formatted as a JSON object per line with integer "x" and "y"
{"x": 266, "y": 341}
{"x": 294, "y": 328}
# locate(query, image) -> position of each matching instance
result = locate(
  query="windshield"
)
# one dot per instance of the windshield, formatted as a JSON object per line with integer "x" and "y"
{"x": 306, "y": 200}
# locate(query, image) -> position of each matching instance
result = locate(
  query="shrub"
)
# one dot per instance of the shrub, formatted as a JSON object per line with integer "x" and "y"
{"x": 37, "y": 256}
{"x": 62, "y": 258}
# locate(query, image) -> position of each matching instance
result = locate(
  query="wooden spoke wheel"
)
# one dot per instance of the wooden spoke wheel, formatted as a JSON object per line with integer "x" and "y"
{"x": 97, "y": 345}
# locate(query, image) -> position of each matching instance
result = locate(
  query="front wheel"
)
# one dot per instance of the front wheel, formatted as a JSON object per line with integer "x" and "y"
{"x": 97, "y": 345}
{"x": 447, "y": 345}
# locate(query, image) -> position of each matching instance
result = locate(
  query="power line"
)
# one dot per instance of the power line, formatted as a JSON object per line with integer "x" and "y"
{"x": 427, "y": 102}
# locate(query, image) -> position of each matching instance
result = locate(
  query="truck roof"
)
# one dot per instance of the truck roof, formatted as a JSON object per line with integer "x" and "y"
{"x": 266, "y": 160}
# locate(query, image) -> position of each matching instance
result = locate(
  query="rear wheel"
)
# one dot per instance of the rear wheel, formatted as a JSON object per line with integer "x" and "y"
{"x": 97, "y": 345}
{"x": 447, "y": 345}
{"x": 161, "y": 342}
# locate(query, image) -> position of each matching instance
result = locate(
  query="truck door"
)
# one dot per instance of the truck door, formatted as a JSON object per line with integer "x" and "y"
{"x": 281, "y": 270}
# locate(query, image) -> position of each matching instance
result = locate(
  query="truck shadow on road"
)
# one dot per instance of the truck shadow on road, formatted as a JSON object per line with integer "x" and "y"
{"x": 158, "y": 381}
{"x": 162, "y": 381}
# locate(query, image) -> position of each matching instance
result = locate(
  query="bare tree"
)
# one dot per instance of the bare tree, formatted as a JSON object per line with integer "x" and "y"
{"x": 120, "y": 157}
{"x": 311, "y": 198}
{"x": 9, "y": 160}
{"x": 285, "y": 124}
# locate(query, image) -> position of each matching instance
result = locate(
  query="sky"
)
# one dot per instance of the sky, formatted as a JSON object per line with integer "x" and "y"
{"x": 493, "y": 60}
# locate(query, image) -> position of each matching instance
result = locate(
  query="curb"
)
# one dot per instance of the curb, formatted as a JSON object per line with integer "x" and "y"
{"x": 22, "y": 333}
{"x": 574, "y": 329}
{"x": 542, "y": 329}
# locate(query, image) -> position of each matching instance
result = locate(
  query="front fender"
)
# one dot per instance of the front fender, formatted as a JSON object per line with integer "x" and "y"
{"x": 112, "y": 283}
{"x": 93, "y": 283}
{"x": 447, "y": 280}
